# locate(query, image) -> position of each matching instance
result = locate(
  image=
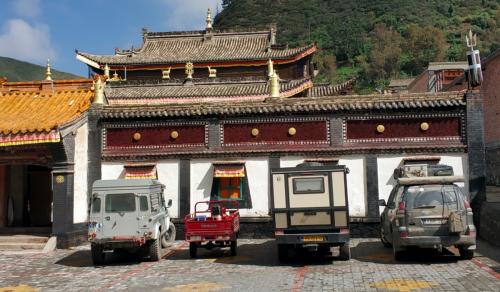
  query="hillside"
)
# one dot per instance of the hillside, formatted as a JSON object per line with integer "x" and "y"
{"x": 374, "y": 39}
{"x": 16, "y": 70}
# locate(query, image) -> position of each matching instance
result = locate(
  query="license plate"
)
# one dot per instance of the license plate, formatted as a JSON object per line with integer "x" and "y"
{"x": 312, "y": 238}
{"x": 434, "y": 221}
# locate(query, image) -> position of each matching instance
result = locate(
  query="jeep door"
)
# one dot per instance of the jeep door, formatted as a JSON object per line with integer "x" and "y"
{"x": 120, "y": 215}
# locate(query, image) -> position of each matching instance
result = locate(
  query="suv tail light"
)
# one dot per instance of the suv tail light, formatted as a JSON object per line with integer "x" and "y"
{"x": 344, "y": 230}
{"x": 403, "y": 234}
{"x": 466, "y": 204}
{"x": 401, "y": 207}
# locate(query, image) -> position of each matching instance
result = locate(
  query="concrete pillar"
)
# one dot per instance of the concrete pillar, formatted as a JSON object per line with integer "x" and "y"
{"x": 184, "y": 187}
{"x": 372, "y": 208}
{"x": 62, "y": 192}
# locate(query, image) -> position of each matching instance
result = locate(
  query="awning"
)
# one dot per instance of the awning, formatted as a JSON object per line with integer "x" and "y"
{"x": 140, "y": 171}
{"x": 229, "y": 170}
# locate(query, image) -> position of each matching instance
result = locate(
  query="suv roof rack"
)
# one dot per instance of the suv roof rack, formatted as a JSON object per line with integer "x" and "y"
{"x": 430, "y": 180}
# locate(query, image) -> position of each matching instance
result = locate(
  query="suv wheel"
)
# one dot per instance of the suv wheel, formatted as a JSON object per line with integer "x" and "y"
{"x": 192, "y": 249}
{"x": 98, "y": 255}
{"x": 384, "y": 240}
{"x": 398, "y": 253}
{"x": 345, "y": 252}
{"x": 465, "y": 254}
{"x": 168, "y": 237}
{"x": 155, "y": 250}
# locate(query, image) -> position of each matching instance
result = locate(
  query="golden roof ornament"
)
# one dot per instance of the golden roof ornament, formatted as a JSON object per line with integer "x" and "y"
{"x": 98, "y": 91}
{"x": 212, "y": 73}
{"x": 165, "y": 74}
{"x": 274, "y": 80}
{"x": 48, "y": 73}
{"x": 115, "y": 77}
{"x": 209, "y": 20}
{"x": 270, "y": 69}
{"x": 106, "y": 70}
{"x": 189, "y": 70}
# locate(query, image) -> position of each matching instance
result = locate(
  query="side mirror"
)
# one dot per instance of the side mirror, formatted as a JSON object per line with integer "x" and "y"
{"x": 382, "y": 203}
{"x": 169, "y": 203}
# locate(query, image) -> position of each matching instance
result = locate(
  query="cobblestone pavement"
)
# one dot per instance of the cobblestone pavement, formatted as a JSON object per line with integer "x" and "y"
{"x": 256, "y": 268}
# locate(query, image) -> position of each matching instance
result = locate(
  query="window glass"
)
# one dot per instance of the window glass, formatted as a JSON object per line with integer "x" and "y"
{"x": 310, "y": 185}
{"x": 143, "y": 203}
{"x": 430, "y": 195}
{"x": 155, "y": 202}
{"x": 96, "y": 205}
{"x": 120, "y": 203}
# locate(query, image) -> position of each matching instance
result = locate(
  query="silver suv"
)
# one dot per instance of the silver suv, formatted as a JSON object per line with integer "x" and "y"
{"x": 428, "y": 212}
{"x": 129, "y": 215}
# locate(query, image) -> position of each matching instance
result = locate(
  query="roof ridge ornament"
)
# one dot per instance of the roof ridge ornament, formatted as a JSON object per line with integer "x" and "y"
{"x": 208, "y": 21}
{"x": 48, "y": 72}
{"x": 189, "y": 70}
{"x": 274, "y": 83}
{"x": 106, "y": 70}
{"x": 99, "y": 90}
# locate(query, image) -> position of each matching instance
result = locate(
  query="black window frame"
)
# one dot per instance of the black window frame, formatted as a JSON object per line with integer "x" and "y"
{"x": 294, "y": 184}
{"x": 121, "y": 211}
{"x": 94, "y": 211}
{"x": 143, "y": 199}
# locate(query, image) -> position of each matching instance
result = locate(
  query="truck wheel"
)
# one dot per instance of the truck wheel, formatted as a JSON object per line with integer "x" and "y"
{"x": 168, "y": 237}
{"x": 98, "y": 255}
{"x": 282, "y": 253}
{"x": 155, "y": 250}
{"x": 192, "y": 249}
{"x": 345, "y": 252}
{"x": 465, "y": 254}
{"x": 234, "y": 245}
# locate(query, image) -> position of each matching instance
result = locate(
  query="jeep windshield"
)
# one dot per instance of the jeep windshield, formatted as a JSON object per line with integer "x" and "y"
{"x": 431, "y": 196}
{"x": 116, "y": 203}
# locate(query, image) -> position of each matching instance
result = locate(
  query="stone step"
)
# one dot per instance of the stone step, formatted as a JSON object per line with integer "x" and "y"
{"x": 21, "y": 246}
{"x": 23, "y": 239}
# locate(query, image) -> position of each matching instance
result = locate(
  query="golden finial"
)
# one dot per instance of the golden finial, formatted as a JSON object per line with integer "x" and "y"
{"x": 189, "y": 70}
{"x": 209, "y": 20}
{"x": 98, "y": 91}
{"x": 212, "y": 73}
{"x": 48, "y": 73}
{"x": 165, "y": 74}
{"x": 274, "y": 83}
{"x": 106, "y": 70}
{"x": 115, "y": 77}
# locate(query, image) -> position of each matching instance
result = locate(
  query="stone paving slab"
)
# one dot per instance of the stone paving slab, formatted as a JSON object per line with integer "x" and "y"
{"x": 256, "y": 268}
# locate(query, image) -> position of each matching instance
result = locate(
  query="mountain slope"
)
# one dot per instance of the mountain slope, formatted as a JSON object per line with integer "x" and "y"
{"x": 16, "y": 70}
{"x": 374, "y": 39}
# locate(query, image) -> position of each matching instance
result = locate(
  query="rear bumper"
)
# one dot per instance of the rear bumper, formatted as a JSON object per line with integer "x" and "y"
{"x": 328, "y": 238}
{"x": 433, "y": 241}
{"x": 124, "y": 242}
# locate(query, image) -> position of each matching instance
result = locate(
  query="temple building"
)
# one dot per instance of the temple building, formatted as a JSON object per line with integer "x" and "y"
{"x": 209, "y": 113}
{"x": 44, "y": 157}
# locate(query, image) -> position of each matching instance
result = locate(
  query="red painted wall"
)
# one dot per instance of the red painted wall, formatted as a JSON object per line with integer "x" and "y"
{"x": 490, "y": 91}
{"x": 157, "y": 136}
{"x": 403, "y": 128}
{"x": 276, "y": 132}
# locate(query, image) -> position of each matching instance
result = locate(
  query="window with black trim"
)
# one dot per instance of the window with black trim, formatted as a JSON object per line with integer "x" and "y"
{"x": 143, "y": 203}
{"x": 115, "y": 203}
{"x": 308, "y": 185}
{"x": 96, "y": 205}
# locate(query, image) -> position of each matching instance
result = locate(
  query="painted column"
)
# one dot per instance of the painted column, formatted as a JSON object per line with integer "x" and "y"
{"x": 372, "y": 186}
{"x": 62, "y": 192}
{"x": 184, "y": 187}
{"x": 475, "y": 151}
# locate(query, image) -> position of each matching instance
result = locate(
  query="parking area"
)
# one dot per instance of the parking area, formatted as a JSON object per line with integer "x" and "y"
{"x": 255, "y": 268}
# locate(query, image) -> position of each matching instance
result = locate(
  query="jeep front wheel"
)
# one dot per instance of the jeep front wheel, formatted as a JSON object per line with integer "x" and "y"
{"x": 155, "y": 250}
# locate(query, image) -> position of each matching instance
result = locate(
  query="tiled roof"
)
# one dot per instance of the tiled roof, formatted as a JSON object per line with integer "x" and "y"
{"x": 401, "y": 82}
{"x": 292, "y": 105}
{"x": 330, "y": 90}
{"x": 203, "y": 91}
{"x": 34, "y": 116}
{"x": 435, "y": 66}
{"x": 171, "y": 48}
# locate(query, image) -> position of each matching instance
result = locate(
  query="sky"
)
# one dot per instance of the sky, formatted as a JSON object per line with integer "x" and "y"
{"x": 37, "y": 30}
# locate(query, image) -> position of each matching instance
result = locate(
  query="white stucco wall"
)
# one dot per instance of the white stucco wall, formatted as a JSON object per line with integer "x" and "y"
{"x": 80, "y": 191}
{"x": 201, "y": 177}
{"x": 387, "y": 164}
{"x": 356, "y": 186}
{"x": 168, "y": 174}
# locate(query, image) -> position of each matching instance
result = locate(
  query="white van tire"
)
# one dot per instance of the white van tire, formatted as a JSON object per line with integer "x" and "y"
{"x": 98, "y": 255}
{"x": 155, "y": 250}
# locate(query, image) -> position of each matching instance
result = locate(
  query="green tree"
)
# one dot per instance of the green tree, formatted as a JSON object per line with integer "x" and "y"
{"x": 423, "y": 45}
{"x": 385, "y": 52}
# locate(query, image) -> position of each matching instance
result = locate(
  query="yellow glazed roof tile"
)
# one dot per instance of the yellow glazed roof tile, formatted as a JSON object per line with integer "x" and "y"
{"x": 34, "y": 111}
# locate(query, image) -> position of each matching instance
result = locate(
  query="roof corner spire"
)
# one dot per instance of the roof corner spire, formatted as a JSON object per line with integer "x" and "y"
{"x": 106, "y": 70}
{"x": 274, "y": 81}
{"x": 48, "y": 72}
{"x": 208, "y": 21}
{"x": 98, "y": 90}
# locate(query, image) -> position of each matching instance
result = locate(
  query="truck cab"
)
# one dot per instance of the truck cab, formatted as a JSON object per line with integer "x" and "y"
{"x": 128, "y": 215}
{"x": 310, "y": 208}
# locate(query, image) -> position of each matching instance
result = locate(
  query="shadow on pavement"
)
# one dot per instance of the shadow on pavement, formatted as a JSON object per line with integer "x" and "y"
{"x": 375, "y": 252}
{"x": 257, "y": 254}
{"x": 83, "y": 258}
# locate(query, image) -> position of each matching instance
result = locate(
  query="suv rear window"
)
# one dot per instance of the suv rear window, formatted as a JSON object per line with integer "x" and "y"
{"x": 430, "y": 196}
{"x": 120, "y": 203}
{"x": 310, "y": 185}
